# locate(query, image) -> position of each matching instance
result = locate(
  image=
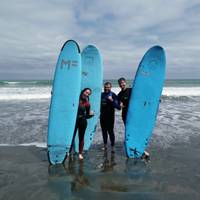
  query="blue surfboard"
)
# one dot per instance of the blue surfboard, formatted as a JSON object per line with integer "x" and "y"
{"x": 92, "y": 77}
{"x": 144, "y": 101}
{"x": 64, "y": 102}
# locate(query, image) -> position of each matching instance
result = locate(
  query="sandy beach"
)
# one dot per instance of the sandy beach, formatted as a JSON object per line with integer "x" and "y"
{"x": 170, "y": 174}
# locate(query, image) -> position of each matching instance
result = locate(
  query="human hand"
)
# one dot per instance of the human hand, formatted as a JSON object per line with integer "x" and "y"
{"x": 110, "y": 98}
{"x": 121, "y": 105}
{"x": 92, "y": 113}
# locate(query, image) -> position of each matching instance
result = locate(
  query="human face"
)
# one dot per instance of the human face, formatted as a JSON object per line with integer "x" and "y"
{"x": 87, "y": 93}
{"x": 107, "y": 88}
{"x": 122, "y": 85}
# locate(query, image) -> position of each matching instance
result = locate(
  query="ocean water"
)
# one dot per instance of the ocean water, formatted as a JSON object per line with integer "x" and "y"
{"x": 172, "y": 173}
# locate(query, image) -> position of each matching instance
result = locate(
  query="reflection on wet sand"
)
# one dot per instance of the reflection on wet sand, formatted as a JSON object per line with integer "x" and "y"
{"x": 105, "y": 175}
{"x": 79, "y": 180}
{"x": 108, "y": 162}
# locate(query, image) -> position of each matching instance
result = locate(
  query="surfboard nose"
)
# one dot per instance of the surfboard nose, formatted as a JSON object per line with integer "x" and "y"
{"x": 72, "y": 44}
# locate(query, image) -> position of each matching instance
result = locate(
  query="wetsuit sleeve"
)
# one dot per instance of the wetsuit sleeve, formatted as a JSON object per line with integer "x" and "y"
{"x": 88, "y": 116}
{"x": 101, "y": 102}
{"x": 116, "y": 103}
{"x": 119, "y": 97}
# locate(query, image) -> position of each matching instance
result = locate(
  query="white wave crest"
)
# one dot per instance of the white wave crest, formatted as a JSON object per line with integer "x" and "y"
{"x": 24, "y": 96}
{"x": 175, "y": 91}
{"x": 37, "y": 93}
{"x": 181, "y": 91}
{"x": 36, "y": 144}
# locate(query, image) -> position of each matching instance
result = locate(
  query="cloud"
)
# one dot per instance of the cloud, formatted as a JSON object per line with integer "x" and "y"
{"x": 33, "y": 32}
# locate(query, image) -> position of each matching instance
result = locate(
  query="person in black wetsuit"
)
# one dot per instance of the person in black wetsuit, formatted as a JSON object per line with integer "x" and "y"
{"x": 124, "y": 96}
{"x": 109, "y": 102}
{"x": 83, "y": 114}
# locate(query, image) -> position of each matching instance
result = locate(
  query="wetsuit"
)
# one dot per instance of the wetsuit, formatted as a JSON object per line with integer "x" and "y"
{"x": 124, "y": 96}
{"x": 107, "y": 116}
{"x": 81, "y": 123}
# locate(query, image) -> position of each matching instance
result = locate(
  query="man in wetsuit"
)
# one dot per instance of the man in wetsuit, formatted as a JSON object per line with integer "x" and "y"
{"x": 109, "y": 102}
{"x": 123, "y": 97}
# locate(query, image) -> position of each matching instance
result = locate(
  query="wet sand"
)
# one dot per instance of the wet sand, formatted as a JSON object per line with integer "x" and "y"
{"x": 171, "y": 173}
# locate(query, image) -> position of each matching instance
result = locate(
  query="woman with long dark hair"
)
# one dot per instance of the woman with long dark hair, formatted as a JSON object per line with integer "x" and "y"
{"x": 83, "y": 114}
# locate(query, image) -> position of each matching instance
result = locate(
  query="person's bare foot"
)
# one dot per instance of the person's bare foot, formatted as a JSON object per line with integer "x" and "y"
{"x": 104, "y": 148}
{"x": 145, "y": 155}
{"x": 113, "y": 149}
{"x": 80, "y": 156}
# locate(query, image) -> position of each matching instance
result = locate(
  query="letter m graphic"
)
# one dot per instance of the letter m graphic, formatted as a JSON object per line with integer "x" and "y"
{"x": 68, "y": 63}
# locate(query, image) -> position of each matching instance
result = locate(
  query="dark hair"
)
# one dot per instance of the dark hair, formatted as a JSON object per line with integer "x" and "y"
{"x": 121, "y": 79}
{"x": 108, "y": 83}
{"x": 85, "y": 90}
{"x": 81, "y": 94}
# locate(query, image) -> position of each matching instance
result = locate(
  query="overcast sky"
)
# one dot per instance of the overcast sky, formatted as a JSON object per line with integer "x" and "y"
{"x": 32, "y": 33}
